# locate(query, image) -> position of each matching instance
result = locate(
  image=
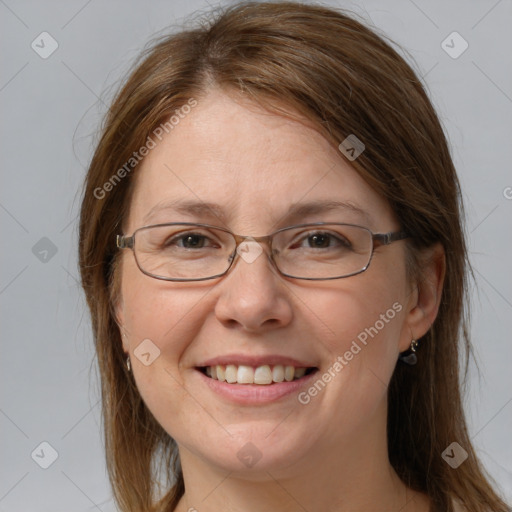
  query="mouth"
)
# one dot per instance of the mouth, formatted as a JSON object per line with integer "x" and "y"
{"x": 263, "y": 375}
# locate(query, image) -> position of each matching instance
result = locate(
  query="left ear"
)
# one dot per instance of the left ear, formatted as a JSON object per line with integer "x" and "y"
{"x": 426, "y": 296}
{"x": 120, "y": 320}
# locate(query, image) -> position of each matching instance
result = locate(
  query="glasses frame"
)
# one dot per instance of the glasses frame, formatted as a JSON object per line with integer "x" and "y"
{"x": 378, "y": 240}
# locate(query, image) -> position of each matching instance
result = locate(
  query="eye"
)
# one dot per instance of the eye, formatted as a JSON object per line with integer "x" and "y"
{"x": 322, "y": 240}
{"x": 190, "y": 241}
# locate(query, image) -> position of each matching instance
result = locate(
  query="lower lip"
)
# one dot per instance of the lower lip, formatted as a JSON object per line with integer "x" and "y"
{"x": 251, "y": 394}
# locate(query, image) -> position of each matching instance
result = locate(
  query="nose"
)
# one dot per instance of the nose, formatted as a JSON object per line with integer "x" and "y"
{"x": 253, "y": 296}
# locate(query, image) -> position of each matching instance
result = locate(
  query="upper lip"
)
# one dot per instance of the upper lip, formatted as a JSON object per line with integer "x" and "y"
{"x": 255, "y": 361}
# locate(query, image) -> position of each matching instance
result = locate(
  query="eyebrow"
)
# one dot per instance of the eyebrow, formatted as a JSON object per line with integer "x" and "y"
{"x": 300, "y": 210}
{"x": 187, "y": 207}
{"x": 296, "y": 211}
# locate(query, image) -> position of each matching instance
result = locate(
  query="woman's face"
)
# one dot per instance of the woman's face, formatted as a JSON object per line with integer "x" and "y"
{"x": 254, "y": 166}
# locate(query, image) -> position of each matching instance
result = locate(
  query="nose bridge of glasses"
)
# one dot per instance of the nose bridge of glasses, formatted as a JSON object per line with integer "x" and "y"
{"x": 250, "y": 248}
{"x": 261, "y": 240}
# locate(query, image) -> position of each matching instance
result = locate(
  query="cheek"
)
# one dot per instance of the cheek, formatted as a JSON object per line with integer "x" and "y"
{"x": 160, "y": 319}
{"x": 365, "y": 322}
{"x": 365, "y": 308}
{"x": 161, "y": 311}
{"x": 364, "y": 327}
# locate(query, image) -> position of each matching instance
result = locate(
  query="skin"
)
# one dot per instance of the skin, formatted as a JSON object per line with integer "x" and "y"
{"x": 328, "y": 455}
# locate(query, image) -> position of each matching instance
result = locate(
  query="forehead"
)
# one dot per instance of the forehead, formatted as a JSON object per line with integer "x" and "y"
{"x": 248, "y": 168}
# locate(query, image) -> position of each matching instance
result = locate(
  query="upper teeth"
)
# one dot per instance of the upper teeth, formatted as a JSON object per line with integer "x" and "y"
{"x": 248, "y": 375}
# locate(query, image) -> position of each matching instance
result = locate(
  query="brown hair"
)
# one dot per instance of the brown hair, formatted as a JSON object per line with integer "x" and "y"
{"x": 340, "y": 75}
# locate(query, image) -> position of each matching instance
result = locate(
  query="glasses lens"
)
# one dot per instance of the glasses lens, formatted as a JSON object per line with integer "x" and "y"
{"x": 183, "y": 251}
{"x": 323, "y": 252}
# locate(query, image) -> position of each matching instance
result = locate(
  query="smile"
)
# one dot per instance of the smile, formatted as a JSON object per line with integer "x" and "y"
{"x": 261, "y": 375}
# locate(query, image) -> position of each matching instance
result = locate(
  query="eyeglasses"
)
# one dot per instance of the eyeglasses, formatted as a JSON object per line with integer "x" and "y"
{"x": 197, "y": 252}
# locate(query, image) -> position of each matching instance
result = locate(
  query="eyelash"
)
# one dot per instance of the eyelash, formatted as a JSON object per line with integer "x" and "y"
{"x": 181, "y": 237}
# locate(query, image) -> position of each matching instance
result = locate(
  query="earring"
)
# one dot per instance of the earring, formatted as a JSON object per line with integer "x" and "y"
{"x": 128, "y": 363}
{"x": 409, "y": 356}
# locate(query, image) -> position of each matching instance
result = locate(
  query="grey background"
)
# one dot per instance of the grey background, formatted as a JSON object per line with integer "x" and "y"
{"x": 50, "y": 109}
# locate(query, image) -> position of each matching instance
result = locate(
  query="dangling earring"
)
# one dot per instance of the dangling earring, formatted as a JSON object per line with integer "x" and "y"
{"x": 409, "y": 356}
{"x": 128, "y": 363}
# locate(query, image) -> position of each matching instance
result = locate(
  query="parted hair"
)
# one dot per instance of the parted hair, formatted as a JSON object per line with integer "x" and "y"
{"x": 319, "y": 64}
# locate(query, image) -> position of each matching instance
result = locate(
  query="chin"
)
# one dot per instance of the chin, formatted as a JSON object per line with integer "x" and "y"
{"x": 252, "y": 452}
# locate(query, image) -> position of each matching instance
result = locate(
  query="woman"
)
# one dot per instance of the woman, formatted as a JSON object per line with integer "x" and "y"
{"x": 272, "y": 252}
